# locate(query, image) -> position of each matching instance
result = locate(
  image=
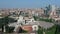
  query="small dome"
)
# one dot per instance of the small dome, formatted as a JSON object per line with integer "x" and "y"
{"x": 35, "y": 27}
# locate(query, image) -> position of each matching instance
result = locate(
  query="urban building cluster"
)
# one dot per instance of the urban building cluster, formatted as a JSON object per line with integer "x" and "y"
{"x": 25, "y": 20}
{"x": 52, "y": 11}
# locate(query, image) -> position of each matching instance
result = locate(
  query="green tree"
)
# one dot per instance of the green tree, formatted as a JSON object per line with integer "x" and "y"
{"x": 40, "y": 31}
{"x": 4, "y": 21}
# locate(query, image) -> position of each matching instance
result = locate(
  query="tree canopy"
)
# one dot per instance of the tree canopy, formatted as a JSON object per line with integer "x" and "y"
{"x": 6, "y": 20}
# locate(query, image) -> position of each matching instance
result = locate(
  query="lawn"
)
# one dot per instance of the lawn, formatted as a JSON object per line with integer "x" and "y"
{"x": 51, "y": 31}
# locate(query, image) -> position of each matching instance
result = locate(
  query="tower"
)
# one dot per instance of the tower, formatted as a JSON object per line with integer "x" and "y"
{"x": 53, "y": 12}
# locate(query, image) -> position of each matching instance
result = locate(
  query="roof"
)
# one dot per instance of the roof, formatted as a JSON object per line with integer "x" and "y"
{"x": 27, "y": 28}
{"x": 45, "y": 24}
{"x": 42, "y": 24}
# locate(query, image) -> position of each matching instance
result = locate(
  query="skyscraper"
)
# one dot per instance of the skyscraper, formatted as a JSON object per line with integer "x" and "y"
{"x": 53, "y": 11}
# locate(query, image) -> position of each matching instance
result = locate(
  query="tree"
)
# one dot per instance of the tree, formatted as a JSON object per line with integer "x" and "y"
{"x": 9, "y": 29}
{"x": 40, "y": 31}
{"x": 4, "y": 21}
{"x": 57, "y": 29}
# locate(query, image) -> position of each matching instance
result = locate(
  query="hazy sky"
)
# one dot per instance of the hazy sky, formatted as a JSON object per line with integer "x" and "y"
{"x": 27, "y": 3}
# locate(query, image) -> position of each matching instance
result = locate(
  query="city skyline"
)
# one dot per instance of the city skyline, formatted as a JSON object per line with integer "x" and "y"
{"x": 27, "y": 3}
